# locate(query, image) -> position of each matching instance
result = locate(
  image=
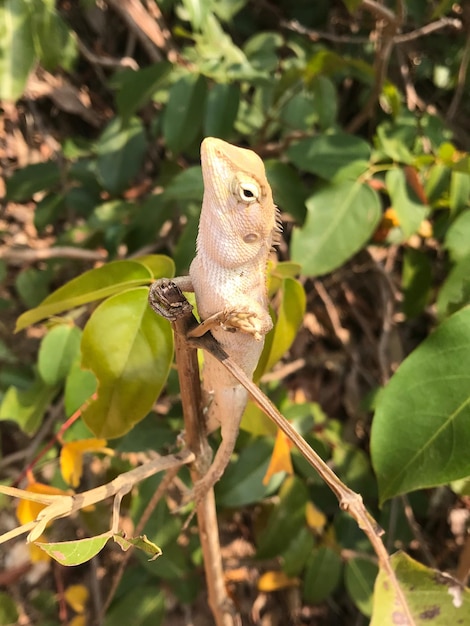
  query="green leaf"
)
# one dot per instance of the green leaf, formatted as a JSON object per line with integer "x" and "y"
{"x": 80, "y": 385}
{"x": 48, "y": 210}
{"x": 25, "y": 182}
{"x": 8, "y": 611}
{"x": 16, "y": 47}
{"x": 32, "y": 285}
{"x": 455, "y": 292}
{"x": 322, "y": 576}
{"x": 285, "y": 520}
{"x": 457, "y": 239}
{"x": 242, "y": 482}
{"x": 184, "y": 112}
{"x": 409, "y": 210}
{"x": 121, "y": 150}
{"x": 140, "y": 606}
{"x": 53, "y": 41}
{"x": 298, "y": 550}
{"x": 340, "y": 220}
{"x": 432, "y": 597}
{"x": 59, "y": 348}
{"x": 27, "y": 408}
{"x": 289, "y": 191}
{"x": 186, "y": 185}
{"x": 141, "y": 543}
{"x": 160, "y": 265}
{"x": 136, "y": 88}
{"x": 359, "y": 577}
{"x": 325, "y": 101}
{"x": 459, "y": 194}
{"x": 130, "y": 350}
{"x": 331, "y": 156}
{"x": 221, "y": 110}
{"x": 416, "y": 281}
{"x": 93, "y": 285}
{"x": 75, "y": 552}
{"x": 352, "y": 5}
{"x": 289, "y": 318}
{"x": 422, "y": 422}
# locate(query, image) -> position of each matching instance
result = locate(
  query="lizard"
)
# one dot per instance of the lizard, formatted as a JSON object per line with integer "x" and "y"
{"x": 238, "y": 227}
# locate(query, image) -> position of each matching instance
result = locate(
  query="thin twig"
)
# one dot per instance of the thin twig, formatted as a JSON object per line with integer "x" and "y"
{"x": 427, "y": 29}
{"x": 416, "y": 530}
{"x": 348, "y": 500}
{"x": 63, "y": 506}
{"x": 318, "y": 35}
{"x": 18, "y": 256}
{"x": 182, "y": 320}
{"x": 461, "y": 80}
{"x": 96, "y": 59}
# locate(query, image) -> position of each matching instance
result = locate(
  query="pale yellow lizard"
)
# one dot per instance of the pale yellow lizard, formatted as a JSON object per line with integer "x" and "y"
{"x": 237, "y": 229}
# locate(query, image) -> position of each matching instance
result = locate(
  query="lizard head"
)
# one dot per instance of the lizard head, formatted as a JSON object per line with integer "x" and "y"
{"x": 238, "y": 210}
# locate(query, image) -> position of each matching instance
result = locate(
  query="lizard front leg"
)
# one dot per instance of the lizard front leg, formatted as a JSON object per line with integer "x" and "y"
{"x": 246, "y": 320}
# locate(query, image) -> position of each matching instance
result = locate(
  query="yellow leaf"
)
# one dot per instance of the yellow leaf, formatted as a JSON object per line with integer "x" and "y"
{"x": 316, "y": 519}
{"x": 76, "y": 597}
{"x": 272, "y": 581}
{"x": 280, "y": 458}
{"x": 71, "y": 458}
{"x": 78, "y": 620}
{"x": 27, "y": 510}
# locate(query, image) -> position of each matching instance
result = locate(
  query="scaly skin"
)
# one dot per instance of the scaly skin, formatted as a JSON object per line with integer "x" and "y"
{"x": 237, "y": 230}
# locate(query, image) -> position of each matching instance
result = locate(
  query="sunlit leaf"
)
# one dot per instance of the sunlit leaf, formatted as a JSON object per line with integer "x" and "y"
{"x": 129, "y": 349}
{"x": 16, "y": 47}
{"x": 427, "y": 402}
{"x": 160, "y": 265}
{"x": 71, "y": 553}
{"x": 95, "y": 284}
{"x": 432, "y": 597}
{"x": 290, "y": 315}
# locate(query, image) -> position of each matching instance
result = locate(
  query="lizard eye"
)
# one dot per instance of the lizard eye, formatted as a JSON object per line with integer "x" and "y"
{"x": 248, "y": 192}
